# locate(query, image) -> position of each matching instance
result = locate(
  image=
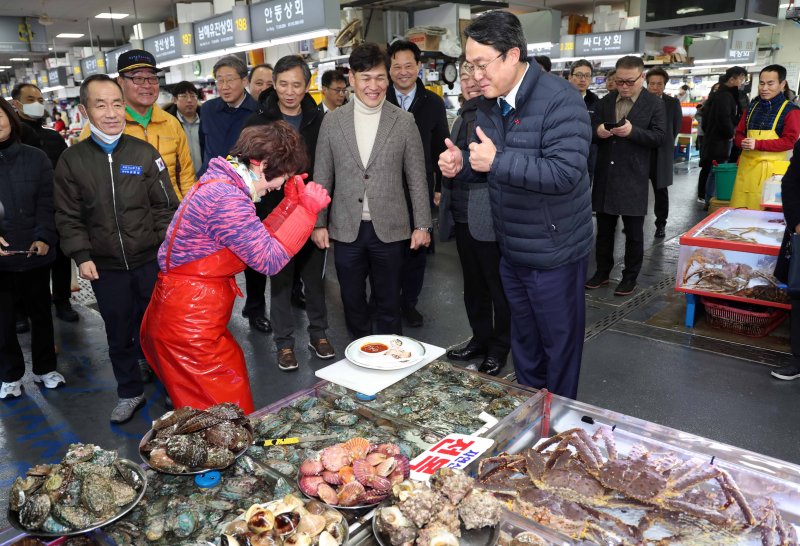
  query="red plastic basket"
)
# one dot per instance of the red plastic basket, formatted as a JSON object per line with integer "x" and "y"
{"x": 742, "y": 318}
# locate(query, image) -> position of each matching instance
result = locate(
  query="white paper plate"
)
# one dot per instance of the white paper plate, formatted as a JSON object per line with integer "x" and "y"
{"x": 383, "y": 362}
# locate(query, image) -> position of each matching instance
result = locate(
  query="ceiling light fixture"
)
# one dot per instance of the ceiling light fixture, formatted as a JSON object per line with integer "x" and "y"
{"x": 21, "y": 59}
{"x": 111, "y": 15}
{"x": 5, "y": 66}
{"x": 686, "y": 11}
{"x": 69, "y": 35}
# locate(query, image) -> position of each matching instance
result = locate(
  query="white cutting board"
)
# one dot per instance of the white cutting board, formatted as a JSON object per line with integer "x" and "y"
{"x": 368, "y": 381}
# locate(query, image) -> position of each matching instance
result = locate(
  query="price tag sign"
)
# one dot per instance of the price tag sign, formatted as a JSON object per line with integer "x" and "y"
{"x": 453, "y": 451}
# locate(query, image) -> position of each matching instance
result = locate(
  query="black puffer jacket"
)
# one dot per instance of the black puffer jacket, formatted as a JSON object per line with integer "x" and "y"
{"x": 269, "y": 111}
{"x": 26, "y": 193}
{"x": 113, "y": 209}
{"x": 49, "y": 141}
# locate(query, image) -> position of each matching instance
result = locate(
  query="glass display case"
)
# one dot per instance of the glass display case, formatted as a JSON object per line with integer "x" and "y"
{"x": 611, "y": 478}
{"x": 446, "y": 398}
{"x": 732, "y": 255}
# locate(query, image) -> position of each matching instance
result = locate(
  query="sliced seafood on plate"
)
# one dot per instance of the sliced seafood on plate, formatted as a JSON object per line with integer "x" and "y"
{"x": 290, "y": 521}
{"x": 353, "y": 474}
{"x": 451, "y": 511}
{"x": 385, "y": 352}
{"x": 89, "y": 488}
{"x": 192, "y": 441}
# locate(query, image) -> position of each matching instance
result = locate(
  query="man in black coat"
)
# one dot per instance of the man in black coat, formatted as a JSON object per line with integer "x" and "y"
{"x": 289, "y": 101}
{"x": 629, "y": 124}
{"x": 29, "y": 102}
{"x": 408, "y": 92}
{"x": 580, "y": 75}
{"x": 663, "y": 156}
{"x": 721, "y": 114}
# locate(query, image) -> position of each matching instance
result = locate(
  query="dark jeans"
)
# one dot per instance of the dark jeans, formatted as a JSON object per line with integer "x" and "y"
{"x": 634, "y": 244}
{"x": 368, "y": 256}
{"x": 122, "y": 297}
{"x": 61, "y": 272}
{"x": 548, "y": 320}
{"x": 255, "y": 304}
{"x": 413, "y": 276}
{"x": 32, "y": 290}
{"x": 484, "y": 299}
{"x": 661, "y": 204}
{"x": 310, "y": 262}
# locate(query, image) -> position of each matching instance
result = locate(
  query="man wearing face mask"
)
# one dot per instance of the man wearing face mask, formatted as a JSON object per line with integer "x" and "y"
{"x": 29, "y": 102}
{"x": 114, "y": 202}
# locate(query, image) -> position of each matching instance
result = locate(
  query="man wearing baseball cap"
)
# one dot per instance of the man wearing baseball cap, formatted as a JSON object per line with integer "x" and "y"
{"x": 144, "y": 119}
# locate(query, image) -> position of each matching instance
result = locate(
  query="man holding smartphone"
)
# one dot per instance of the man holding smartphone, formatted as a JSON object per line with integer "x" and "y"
{"x": 629, "y": 124}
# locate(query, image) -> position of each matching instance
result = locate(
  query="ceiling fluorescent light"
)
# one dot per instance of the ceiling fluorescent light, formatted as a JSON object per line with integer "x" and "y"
{"x": 784, "y": 6}
{"x": 5, "y": 66}
{"x": 686, "y": 11}
{"x": 709, "y": 61}
{"x": 111, "y": 15}
{"x": 69, "y": 35}
{"x": 21, "y": 59}
{"x": 540, "y": 45}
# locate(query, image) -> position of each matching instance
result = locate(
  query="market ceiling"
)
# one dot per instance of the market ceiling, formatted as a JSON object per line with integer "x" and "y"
{"x": 77, "y": 16}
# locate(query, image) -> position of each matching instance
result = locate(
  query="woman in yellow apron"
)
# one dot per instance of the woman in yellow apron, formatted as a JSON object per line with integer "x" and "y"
{"x": 766, "y": 134}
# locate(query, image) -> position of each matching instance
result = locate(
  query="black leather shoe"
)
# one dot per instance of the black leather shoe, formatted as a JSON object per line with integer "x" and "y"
{"x": 491, "y": 366}
{"x": 262, "y": 324}
{"x": 23, "y": 326}
{"x": 65, "y": 312}
{"x": 413, "y": 317}
{"x": 466, "y": 353}
{"x": 660, "y": 232}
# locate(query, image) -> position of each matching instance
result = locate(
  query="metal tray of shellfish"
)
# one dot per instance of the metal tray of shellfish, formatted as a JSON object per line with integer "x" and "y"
{"x": 189, "y": 441}
{"x": 593, "y": 474}
{"x": 445, "y": 398}
{"x": 70, "y": 505}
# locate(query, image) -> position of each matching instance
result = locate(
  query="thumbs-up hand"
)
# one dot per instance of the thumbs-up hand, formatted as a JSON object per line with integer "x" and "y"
{"x": 450, "y": 161}
{"x": 481, "y": 154}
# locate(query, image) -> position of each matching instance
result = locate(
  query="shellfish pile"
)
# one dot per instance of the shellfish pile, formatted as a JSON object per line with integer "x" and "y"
{"x": 187, "y": 439}
{"x": 287, "y": 521}
{"x": 89, "y": 486}
{"x": 353, "y": 473}
{"x": 433, "y": 515}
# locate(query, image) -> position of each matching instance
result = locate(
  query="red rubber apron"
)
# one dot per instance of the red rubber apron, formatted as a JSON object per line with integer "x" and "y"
{"x": 185, "y": 334}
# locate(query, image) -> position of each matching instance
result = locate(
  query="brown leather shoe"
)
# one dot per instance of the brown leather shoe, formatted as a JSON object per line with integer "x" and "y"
{"x": 322, "y": 348}
{"x": 286, "y": 360}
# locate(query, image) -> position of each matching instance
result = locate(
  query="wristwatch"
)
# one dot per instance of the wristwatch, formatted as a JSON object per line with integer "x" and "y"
{"x": 425, "y": 229}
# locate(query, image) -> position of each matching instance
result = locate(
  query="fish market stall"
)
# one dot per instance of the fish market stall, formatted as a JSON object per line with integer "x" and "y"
{"x": 559, "y": 472}
{"x": 731, "y": 255}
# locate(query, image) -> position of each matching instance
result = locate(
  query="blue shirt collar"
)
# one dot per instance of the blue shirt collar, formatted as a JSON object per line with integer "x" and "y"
{"x": 107, "y": 148}
{"x": 411, "y": 94}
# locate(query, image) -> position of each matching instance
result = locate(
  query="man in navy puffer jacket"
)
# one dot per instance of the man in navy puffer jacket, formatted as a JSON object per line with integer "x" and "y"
{"x": 534, "y": 160}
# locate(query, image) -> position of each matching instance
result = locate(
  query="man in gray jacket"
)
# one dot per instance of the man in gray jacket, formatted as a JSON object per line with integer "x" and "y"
{"x": 363, "y": 151}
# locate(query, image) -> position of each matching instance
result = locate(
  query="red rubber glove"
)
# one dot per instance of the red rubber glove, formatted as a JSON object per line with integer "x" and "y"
{"x": 293, "y": 187}
{"x": 315, "y": 198}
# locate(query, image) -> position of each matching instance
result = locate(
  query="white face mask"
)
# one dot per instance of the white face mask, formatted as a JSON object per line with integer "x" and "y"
{"x": 103, "y": 137}
{"x": 33, "y": 110}
{"x": 250, "y": 178}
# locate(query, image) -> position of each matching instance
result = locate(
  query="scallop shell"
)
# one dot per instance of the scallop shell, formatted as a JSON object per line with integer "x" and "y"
{"x": 396, "y": 477}
{"x": 403, "y": 464}
{"x": 388, "y": 449}
{"x": 332, "y": 478}
{"x": 376, "y": 457}
{"x": 357, "y": 447}
{"x": 335, "y": 457}
{"x": 349, "y": 493}
{"x": 311, "y": 467}
{"x": 363, "y": 471}
{"x": 373, "y": 496}
{"x": 327, "y": 494}
{"x": 379, "y": 482}
{"x": 386, "y": 467}
{"x": 310, "y": 484}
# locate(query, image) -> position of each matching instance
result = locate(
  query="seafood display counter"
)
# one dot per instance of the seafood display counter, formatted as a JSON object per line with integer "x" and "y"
{"x": 731, "y": 255}
{"x": 567, "y": 473}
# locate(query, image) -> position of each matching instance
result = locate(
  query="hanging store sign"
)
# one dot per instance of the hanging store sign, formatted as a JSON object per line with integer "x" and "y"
{"x": 554, "y": 51}
{"x": 77, "y": 73}
{"x": 22, "y": 34}
{"x": 281, "y": 18}
{"x": 176, "y": 43}
{"x": 113, "y": 56}
{"x": 44, "y": 80}
{"x": 4, "y": 91}
{"x": 742, "y": 46}
{"x": 95, "y": 64}
{"x": 607, "y": 43}
{"x": 223, "y": 31}
{"x": 57, "y": 76}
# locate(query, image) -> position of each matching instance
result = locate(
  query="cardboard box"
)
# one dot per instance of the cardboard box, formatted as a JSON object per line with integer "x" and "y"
{"x": 426, "y": 42}
{"x": 573, "y": 21}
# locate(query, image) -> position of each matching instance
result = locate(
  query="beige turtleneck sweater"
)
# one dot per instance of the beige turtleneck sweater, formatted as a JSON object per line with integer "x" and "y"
{"x": 366, "y": 123}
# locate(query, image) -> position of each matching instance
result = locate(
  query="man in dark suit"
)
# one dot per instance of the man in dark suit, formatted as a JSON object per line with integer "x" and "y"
{"x": 629, "y": 124}
{"x": 334, "y": 91}
{"x": 408, "y": 92}
{"x": 663, "y": 156}
{"x": 365, "y": 150}
{"x": 580, "y": 75}
{"x": 530, "y": 147}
